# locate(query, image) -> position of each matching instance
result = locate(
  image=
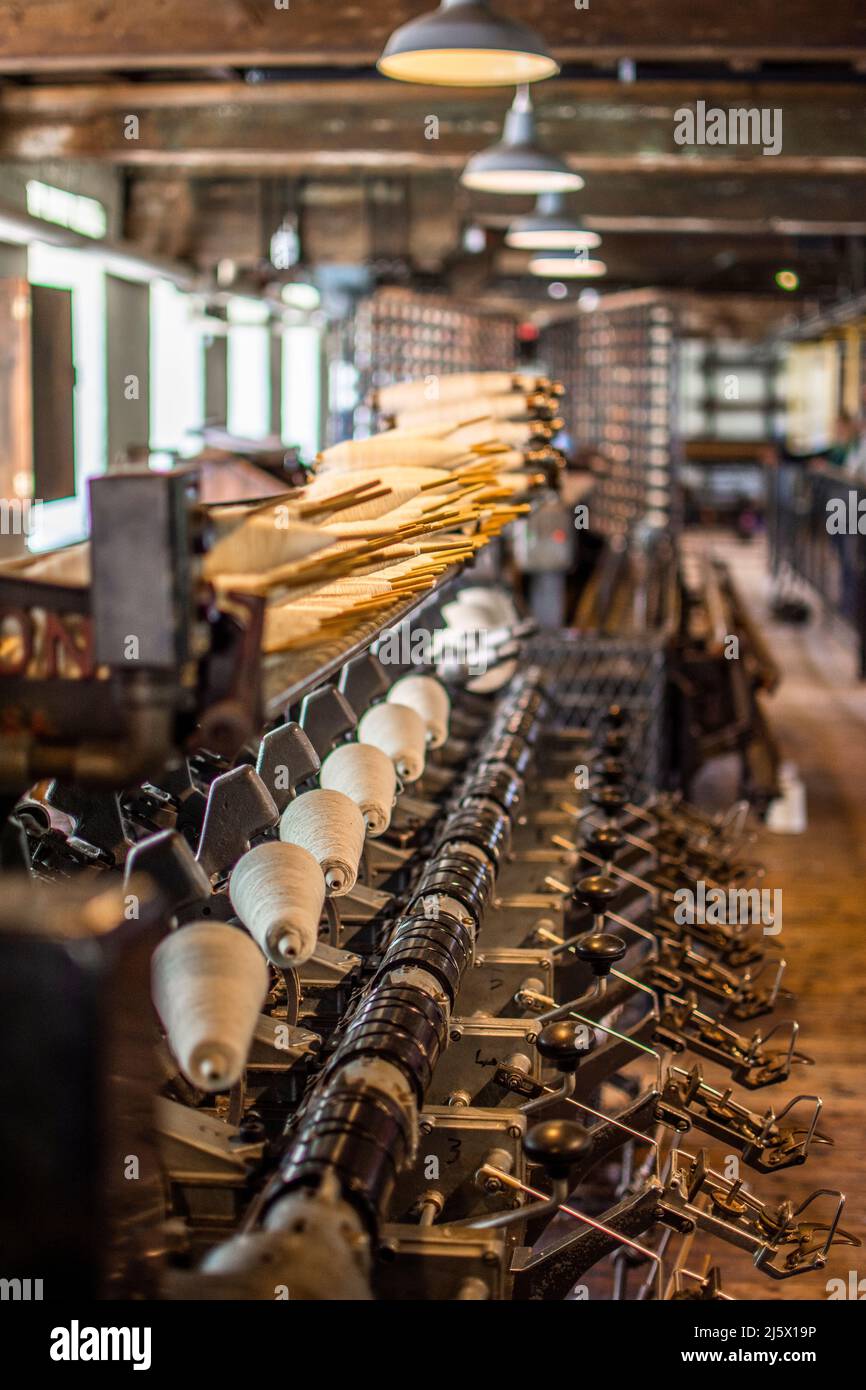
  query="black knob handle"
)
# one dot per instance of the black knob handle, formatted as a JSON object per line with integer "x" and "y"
{"x": 605, "y": 841}
{"x": 609, "y": 800}
{"x": 671, "y": 842}
{"x": 614, "y": 716}
{"x": 596, "y": 892}
{"x": 564, "y": 1043}
{"x": 600, "y": 951}
{"x": 610, "y": 770}
{"x": 556, "y": 1146}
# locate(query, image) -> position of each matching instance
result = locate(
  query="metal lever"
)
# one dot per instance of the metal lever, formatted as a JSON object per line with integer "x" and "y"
{"x": 555, "y": 1146}
{"x": 191, "y": 803}
{"x": 239, "y": 806}
{"x": 286, "y": 758}
{"x": 167, "y": 859}
{"x": 531, "y": 1263}
{"x": 736, "y": 1216}
{"x": 764, "y": 1143}
{"x": 363, "y": 680}
{"x": 326, "y": 716}
{"x": 683, "y": 1025}
{"x": 625, "y": 1039}
{"x": 96, "y": 816}
{"x": 600, "y": 1135}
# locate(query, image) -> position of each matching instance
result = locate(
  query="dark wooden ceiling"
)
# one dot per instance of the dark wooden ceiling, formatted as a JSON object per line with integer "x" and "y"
{"x": 116, "y": 34}
{"x": 240, "y": 104}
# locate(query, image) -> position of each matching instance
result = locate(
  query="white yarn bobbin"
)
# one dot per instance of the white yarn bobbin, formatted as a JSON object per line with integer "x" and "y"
{"x": 498, "y": 606}
{"x": 492, "y": 679}
{"x": 278, "y": 891}
{"x": 366, "y": 775}
{"x": 330, "y": 826}
{"x": 209, "y": 982}
{"x": 469, "y": 617}
{"x": 401, "y": 733}
{"x": 429, "y": 698}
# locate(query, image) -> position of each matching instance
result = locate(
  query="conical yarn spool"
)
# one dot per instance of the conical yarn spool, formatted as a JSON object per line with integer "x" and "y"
{"x": 278, "y": 891}
{"x": 429, "y": 698}
{"x": 366, "y": 775}
{"x": 330, "y": 826}
{"x": 401, "y": 733}
{"x": 209, "y": 981}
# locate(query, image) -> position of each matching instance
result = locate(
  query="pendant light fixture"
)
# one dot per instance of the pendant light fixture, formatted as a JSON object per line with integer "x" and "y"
{"x": 549, "y": 228}
{"x": 564, "y": 265}
{"x": 517, "y": 164}
{"x": 464, "y": 44}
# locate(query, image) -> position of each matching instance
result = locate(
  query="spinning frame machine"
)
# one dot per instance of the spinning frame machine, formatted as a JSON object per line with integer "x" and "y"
{"x": 483, "y": 1076}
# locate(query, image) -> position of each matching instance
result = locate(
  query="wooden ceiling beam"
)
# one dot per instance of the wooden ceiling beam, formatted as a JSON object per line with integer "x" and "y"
{"x": 82, "y": 99}
{"x": 609, "y": 132}
{"x": 208, "y": 221}
{"x": 632, "y": 204}
{"x": 261, "y": 163}
{"x": 116, "y": 35}
{"x": 621, "y": 200}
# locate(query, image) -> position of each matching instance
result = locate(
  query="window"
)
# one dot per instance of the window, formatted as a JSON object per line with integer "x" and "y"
{"x": 83, "y": 215}
{"x": 60, "y": 268}
{"x": 249, "y": 369}
{"x": 301, "y": 406}
{"x": 177, "y": 400}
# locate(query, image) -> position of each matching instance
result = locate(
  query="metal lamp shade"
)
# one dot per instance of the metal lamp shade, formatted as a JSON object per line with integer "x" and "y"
{"x": 463, "y": 44}
{"x": 549, "y": 228}
{"x": 517, "y": 164}
{"x": 562, "y": 265}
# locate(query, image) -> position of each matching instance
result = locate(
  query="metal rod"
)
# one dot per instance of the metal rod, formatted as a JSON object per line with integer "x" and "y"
{"x": 623, "y": 1037}
{"x": 510, "y": 1181}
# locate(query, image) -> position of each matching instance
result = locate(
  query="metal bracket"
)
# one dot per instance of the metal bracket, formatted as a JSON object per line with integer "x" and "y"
{"x": 326, "y": 716}
{"x": 95, "y": 815}
{"x": 286, "y": 758}
{"x": 765, "y": 1144}
{"x": 363, "y": 680}
{"x": 199, "y": 1147}
{"x": 328, "y": 966}
{"x": 683, "y": 1026}
{"x": 363, "y": 904}
{"x": 277, "y": 1045}
{"x": 239, "y": 806}
{"x": 168, "y": 860}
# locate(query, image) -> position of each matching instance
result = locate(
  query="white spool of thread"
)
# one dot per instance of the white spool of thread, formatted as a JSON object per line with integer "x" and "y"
{"x": 468, "y": 617}
{"x": 401, "y": 733}
{"x": 493, "y": 679}
{"x": 278, "y": 891}
{"x": 429, "y": 698}
{"x": 478, "y": 609}
{"x": 498, "y": 606}
{"x": 366, "y": 775}
{"x": 209, "y": 982}
{"x": 330, "y": 826}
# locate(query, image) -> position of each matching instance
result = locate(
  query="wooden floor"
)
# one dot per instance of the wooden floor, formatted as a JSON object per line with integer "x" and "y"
{"x": 819, "y": 717}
